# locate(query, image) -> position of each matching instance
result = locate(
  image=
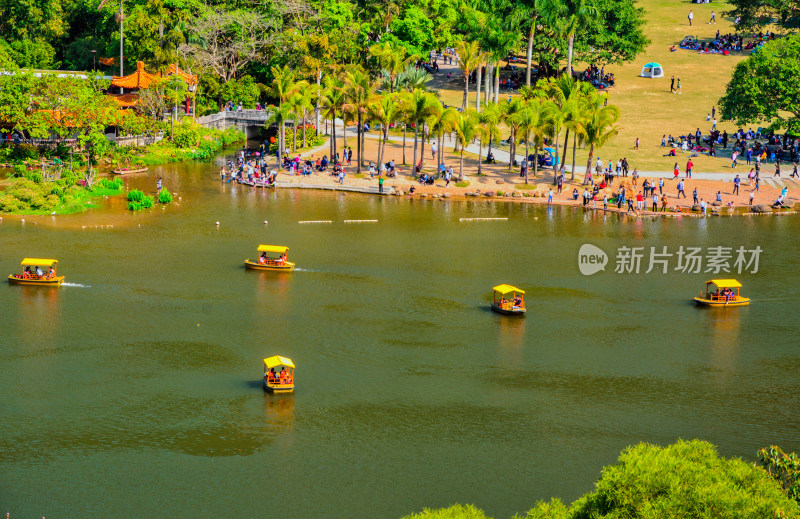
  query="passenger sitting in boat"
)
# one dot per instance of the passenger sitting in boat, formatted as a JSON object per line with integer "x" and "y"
{"x": 283, "y": 376}
{"x": 518, "y": 301}
{"x": 26, "y": 274}
{"x": 271, "y": 376}
{"x": 263, "y": 259}
{"x": 282, "y": 258}
{"x": 503, "y": 302}
{"x": 39, "y": 273}
{"x": 51, "y": 273}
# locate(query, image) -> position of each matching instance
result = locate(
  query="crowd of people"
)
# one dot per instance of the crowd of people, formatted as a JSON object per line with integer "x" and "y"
{"x": 725, "y": 43}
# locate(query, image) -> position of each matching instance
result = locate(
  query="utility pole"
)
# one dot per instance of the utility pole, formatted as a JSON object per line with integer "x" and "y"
{"x": 121, "y": 51}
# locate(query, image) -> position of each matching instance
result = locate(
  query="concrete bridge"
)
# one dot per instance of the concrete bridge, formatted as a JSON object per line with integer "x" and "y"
{"x": 248, "y": 121}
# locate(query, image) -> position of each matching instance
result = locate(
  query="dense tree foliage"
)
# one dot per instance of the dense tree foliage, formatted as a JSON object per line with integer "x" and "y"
{"x": 757, "y": 14}
{"x": 686, "y": 479}
{"x": 223, "y": 40}
{"x": 765, "y": 88}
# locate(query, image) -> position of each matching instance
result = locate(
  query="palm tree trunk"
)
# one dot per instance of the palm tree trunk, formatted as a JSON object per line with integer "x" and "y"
{"x": 535, "y": 160}
{"x": 574, "y": 146}
{"x": 319, "y": 96}
{"x": 363, "y": 147}
{"x": 333, "y": 141}
{"x": 529, "y": 56}
{"x": 358, "y": 144}
{"x": 480, "y": 154}
{"x": 422, "y": 149}
{"x": 564, "y": 156}
{"x": 478, "y": 90}
{"x": 344, "y": 137}
{"x": 497, "y": 83}
{"x": 438, "y": 150}
{"x": 589, "y": 164}
{"x": 282, "y": 144}
{"x": 511, "y": 148}
{"x": 404, "y": 143}
{"x": 466, "y": 92}
{"x": 555, "y": 169}
{"x": 488, "y": 81}
{"x": 416, "y": 133}
{"x": 527, "y": 166}
{"x": 304, "y": 127}
{"x": 461, "y": 166}
{"x": 294, "y": 135}
{"x": 569, "y": 54}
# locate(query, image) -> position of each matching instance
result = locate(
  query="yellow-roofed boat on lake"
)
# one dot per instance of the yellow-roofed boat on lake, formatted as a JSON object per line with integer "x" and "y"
{"x": 37, "y": 271}
{"x": 270, "y": 257}
{"x": 282, "y": 381}
{"x": 726, "y": 294}
{"x": 514, "y": 305}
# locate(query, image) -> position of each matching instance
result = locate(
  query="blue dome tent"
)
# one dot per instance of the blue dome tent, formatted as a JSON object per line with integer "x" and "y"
{"x": 653, "y": 70}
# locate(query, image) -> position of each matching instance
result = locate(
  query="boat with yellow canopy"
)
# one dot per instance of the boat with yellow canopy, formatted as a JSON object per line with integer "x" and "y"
{"x": 514, "y": 305}
{"x": 37, "y": 271}
{"x": 726, "y": 294}
{"x": 282, "y": 381}
{"x": 270, "y": 257}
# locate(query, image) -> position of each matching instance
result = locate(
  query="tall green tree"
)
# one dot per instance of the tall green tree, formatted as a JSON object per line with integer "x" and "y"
{"x": 596, "y": 126}
{"x": 579, "y": 15}
{"x": 466, "y": 129}
{"x": 765, "y": 88}
{"x": 358, "y": 95}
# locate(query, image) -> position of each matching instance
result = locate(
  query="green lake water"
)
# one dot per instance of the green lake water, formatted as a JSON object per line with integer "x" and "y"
{"x": 134, "y": 390}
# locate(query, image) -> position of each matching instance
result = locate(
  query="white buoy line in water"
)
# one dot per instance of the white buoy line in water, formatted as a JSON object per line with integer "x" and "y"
{"x": 481, "y": 219}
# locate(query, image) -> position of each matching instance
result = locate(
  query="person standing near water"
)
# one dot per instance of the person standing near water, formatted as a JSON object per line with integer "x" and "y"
{"x": 158, "y": 185}
{"x": 380, "y": 184}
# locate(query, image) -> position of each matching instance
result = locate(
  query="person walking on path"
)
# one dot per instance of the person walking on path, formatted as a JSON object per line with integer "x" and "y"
{"x": 679, "y": 86}
{"x": 736, "y": 182}
{"x": 660, "y": 186}
{"x": 636, "y": 146}
{"x": 777, "y": 169}
{"x": 695, "y": 200}
{"x": 713, "y": 18}
{"x": 689, "y": 165}
{"x": 691, "y": 17}
{"x": 680, "y": 189}
{"x": 733, "y": 158}
{"x": 752, "y": 195}
{"x": 758, "y": 183}
{"x": 672, "y": 85}
{"x": 676, "y": 171}
{"x": 433, "y": 150}
{"x": 794, "y": 173}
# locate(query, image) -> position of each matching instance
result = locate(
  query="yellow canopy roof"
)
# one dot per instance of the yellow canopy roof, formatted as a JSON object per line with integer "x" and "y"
{"x": 277, "y": 360}
{"x": 38, "y": 262}
{"x": 725, "y": 283}
{"x": 505, "y": 289}
{"x": 280, "y": 249}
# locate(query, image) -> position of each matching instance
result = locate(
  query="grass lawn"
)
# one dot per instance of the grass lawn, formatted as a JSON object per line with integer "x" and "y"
{"x": 648, "y": 108}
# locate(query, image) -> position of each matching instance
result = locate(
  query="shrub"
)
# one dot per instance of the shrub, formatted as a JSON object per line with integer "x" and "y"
{"x": 110, "y": 183}
{"x": 186, "y": 135}
{"x": 525, "y": 186}
{"x": 24, "y": 152}
{"x": 147, "y": 202}
{"x": 135, "y": 196}
{"x": 499, "y": 193}
{"x": 164, "y": 197}
{"x": 34, "y": 176}
{"x": 463, "y": 183}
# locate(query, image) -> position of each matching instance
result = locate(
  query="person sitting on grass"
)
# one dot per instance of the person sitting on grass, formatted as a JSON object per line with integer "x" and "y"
{"x": 575, "y": 193}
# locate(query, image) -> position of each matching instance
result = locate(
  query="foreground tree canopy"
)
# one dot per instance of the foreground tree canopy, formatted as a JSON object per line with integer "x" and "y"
{"x": 227, "y": 40}
{"x": 765, "y": 88}
{"x": 687, "y": 479}
{"x": 757, "y": 14}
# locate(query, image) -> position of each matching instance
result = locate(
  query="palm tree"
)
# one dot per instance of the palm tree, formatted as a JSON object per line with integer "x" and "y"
{"x": 560, "y": 116}
{"x": 392, "y": 60}
{"x": 384, "y": 110}
{"x": 412, "y": 78}
{"x": 510, "y": 114}
{"x": 278, "y": 115}
{"x": 489, "y": 129}
{"x": 295, "y": 105}
{"x": 305, "y": 93}
{"x": 580, "y": 13}
{"x": 469, "y": 55}
{"x": 547, "y": 10}
{"x": 442, "y": 121}
{"x": 533, "y": 122}
{"x": 597, "y": 127}
{"x": 282, "y": 81}
{"x": 466, "y": 129}
{"x": 420, "y": 106}
{"x": 499, "y": 43}
{"x": 561, "y": 91}
{"x": 332, "y": 101}
{"x": 358, "y": 92}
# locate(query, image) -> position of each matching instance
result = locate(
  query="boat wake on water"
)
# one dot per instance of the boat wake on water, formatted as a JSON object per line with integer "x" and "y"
{"x": 75, "y": 285}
